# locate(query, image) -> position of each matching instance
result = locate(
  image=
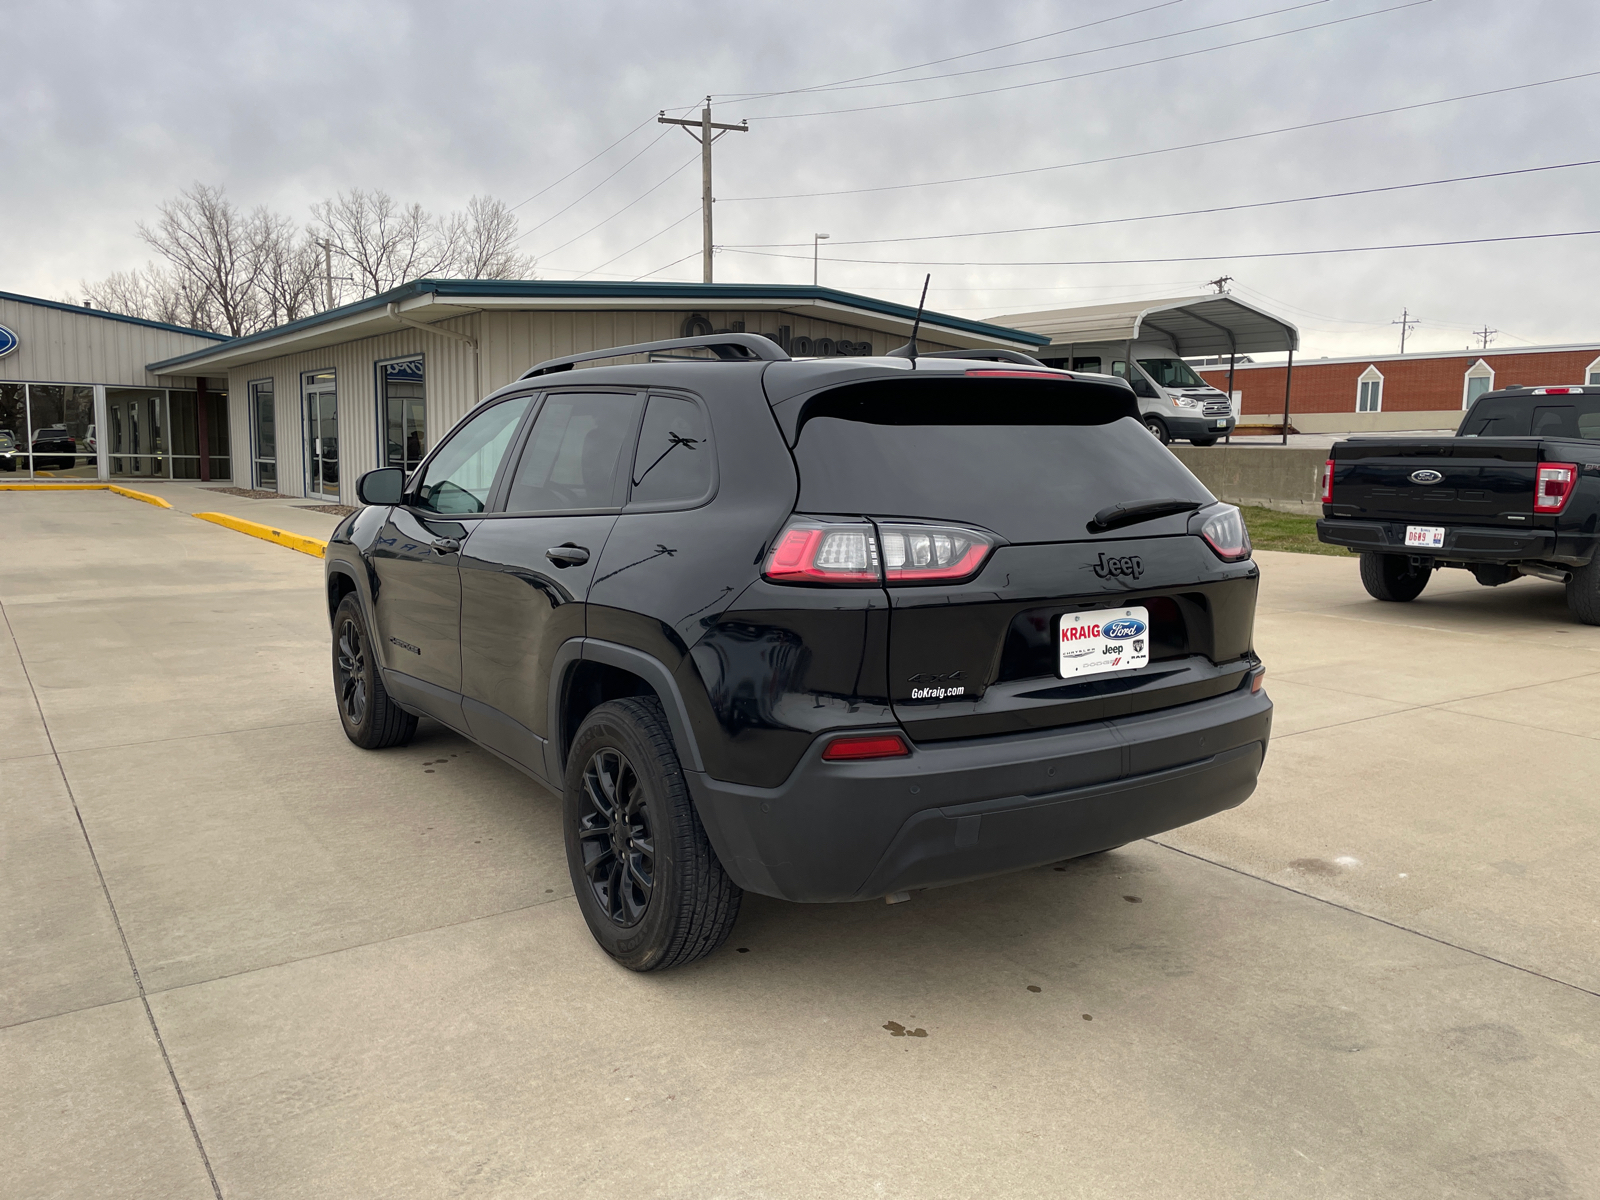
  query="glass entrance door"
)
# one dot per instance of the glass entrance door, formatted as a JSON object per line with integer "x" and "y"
{"x": 322, "y": 435}
{"x": 135, "y": 416}
{"x": 264, "y": 436}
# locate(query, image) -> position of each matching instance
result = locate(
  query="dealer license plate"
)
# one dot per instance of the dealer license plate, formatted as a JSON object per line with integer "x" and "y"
{"x": 1107, "y": 639}
{"x": 1222, "y": 424}
{"x": 1429, "y": 537}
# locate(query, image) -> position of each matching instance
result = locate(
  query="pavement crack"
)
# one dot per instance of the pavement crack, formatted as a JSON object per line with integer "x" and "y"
{"x": 1380, "y": 920}
{"x": 116, "y": 919}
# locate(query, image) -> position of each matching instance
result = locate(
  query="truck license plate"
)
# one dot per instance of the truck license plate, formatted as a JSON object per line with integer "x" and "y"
{"x": 1107, "y": 639}
{"x": 1222, "y": 424}
{"x": 1430, "y": 537}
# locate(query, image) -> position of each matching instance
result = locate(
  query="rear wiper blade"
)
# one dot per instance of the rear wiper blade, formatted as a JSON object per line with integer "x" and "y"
{"x": 1119, "y": 515}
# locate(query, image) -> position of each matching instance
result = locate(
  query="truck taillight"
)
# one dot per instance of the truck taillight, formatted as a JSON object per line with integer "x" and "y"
{"x": 816, "y": 551}
{"x": 1327, "y": 482}
{"x": 822, "y": 552}
{"x": 1554, "y": 486}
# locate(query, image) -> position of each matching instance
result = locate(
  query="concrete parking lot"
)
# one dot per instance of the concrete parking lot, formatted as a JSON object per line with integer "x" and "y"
{"x": 241, "y": 958}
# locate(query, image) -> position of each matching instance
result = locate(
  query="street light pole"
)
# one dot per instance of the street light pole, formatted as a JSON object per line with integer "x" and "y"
{"x": 815, "y": 239}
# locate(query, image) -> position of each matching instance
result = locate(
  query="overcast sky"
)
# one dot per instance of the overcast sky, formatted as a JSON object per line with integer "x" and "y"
{"x": 107, "y": 109}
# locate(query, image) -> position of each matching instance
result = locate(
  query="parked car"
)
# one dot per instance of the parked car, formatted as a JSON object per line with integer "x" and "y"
{"x": 811, "y": 629}
{"x": 1174, "y": 402}
{"x": 48, "y": 446}
{"x": 1516, "y": 492}
{"x": 8, "y": 450}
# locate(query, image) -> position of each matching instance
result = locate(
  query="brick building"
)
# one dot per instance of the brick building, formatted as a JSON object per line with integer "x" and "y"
{"x": 1392, "y": 391}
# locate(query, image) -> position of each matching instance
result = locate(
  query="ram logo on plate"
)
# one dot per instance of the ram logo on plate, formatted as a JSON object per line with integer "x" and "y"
{"x": 1426, "y": 476}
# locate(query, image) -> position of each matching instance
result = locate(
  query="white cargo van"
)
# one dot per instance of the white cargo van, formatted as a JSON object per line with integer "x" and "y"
{"x": 1174, "y": 402}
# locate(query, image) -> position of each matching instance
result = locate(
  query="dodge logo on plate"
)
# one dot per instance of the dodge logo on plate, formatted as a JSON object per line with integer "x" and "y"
{"x": 1426, "y": 476}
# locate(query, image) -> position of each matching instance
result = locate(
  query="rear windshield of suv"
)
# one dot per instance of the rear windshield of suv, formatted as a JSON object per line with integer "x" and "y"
{"x": 1572, "y": 416}
{"x": 1031, "y": 461}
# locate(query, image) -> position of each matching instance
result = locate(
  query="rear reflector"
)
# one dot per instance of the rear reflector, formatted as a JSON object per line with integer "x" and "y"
{"x": 1327, "y": 482}
{"x": 855, "y": 747}
{"x": 1257, "y": 681}
{"x": 1554, "y": 487}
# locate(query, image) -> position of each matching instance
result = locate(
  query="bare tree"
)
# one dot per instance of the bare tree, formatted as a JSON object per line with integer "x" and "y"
{"x": 383, "y": 242}
{"x": 291, "y": 270}
{"x": 154, "y": 295}
{"x": 485, "y": 238}
{"x": 210, "y": 244}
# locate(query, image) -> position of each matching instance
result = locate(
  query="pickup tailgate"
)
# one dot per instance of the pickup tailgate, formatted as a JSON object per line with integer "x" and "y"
{"x": 1478, "y": 481}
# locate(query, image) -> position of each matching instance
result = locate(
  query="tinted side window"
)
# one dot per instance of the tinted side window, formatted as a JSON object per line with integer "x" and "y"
{"x": 573, "y": 459}
{"x": 673, "y": 462}
{"x": 460, "y": 476}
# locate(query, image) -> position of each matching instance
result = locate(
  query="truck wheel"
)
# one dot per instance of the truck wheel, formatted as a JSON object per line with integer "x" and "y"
{"x": 1158, "y": 427}
{"x": 370, "y": 718}
{"x": 647, "y": 880}
{"x": 1391, "y": 577}
{"x": 1583, "y": 593}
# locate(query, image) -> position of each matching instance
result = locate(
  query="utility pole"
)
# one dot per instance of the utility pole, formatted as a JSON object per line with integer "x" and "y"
{"x": 815, "y": 239}
{"x": 1220, "y": 284}
{"x": 705, "y": 137}
{"x": 1405, "y": 322}
{"x": 327, "y": 272}
{"x": 1484, "y": 336}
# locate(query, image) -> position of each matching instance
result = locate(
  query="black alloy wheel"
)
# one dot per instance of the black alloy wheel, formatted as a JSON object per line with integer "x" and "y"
{"x": 646, "y": 879}
{"x": 619, "y": 851}
{"x": 1159, "y": 428}
{"x": 370, "y": 718}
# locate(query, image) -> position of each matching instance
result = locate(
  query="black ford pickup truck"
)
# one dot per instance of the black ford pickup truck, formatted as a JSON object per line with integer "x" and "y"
{"x": 1515, "y": 492}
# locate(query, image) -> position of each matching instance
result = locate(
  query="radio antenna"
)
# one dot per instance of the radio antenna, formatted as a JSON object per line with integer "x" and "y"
{"x": 909, "y": 350}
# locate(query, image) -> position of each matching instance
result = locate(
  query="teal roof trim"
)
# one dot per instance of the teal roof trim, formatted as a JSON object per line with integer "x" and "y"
{"x": 548, "y": 289}
{"x": 111, "y": 316}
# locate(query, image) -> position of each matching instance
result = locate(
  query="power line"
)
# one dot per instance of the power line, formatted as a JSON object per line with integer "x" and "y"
{"x": 673, "y": 263}
{"x": 1033, "y": 62}
{"x": 594, "y": 189}
{"x": 1192, "y": 212}
{"x": 1225, "y": 257}
{"x": 576, "y": 169}
{"x": 641, "y": 245}
{"x": 733, "y": 99}
{"x": 1013, "y": 87}
{"x": 1222, "y": 141}
{"x": 673, "y": 175}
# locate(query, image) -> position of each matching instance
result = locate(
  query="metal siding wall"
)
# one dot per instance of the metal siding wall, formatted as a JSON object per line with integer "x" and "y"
{"x": 80, "y": 347}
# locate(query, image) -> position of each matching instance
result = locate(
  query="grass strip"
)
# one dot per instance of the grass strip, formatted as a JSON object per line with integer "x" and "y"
{"x": 1270, "y": 530}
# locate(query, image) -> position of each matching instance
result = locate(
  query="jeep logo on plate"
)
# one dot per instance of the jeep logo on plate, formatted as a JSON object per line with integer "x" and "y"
{"x": 1129, "y": 565}
{"x": 1426, "y": 475}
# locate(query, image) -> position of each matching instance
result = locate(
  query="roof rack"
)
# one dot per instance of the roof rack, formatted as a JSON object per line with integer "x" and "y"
{"x": 728, "y": 347}
{"x": 1011, "y": 356}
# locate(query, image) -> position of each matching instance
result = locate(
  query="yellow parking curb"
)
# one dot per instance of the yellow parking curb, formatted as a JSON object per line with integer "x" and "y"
{"x": 85, "y": 487}
{"x": 295, "y": 541}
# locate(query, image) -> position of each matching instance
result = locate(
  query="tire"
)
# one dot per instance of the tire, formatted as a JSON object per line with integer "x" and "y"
{"x": 1391, "y": 577}
{"x": 650, "y": 887}
{"x": 1202, "y": 441}
{"x": 1158, "y": 427}
{"x": 1583, "y": 592}
{"x": 371, "y": 719}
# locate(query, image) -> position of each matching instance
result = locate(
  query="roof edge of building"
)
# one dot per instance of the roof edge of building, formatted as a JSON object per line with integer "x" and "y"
{"x": 1416, "y": 356}
{"x": 82, "y": 311}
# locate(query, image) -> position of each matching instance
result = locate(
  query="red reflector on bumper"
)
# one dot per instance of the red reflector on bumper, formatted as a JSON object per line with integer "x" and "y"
{"x": 1257, "y": 681}
{"x": 866, "y": 745}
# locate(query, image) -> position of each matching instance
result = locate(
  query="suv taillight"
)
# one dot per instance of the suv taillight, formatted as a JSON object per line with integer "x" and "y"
{"x": 1327, "y": 482}
{"x": 1554, "y": 486}
{"x": 1224, "y": 531}
{"x": 816, "y": 551}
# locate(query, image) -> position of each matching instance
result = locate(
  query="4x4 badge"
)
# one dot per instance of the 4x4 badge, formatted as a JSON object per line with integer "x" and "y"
{"x": 1129, "y": 565}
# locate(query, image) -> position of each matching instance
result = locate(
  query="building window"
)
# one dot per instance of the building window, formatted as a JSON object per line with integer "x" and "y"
{"x": 263, "y": 436}
{"x": 1480, "y": 379}
{"x": 321, "y": 414}
{"x": 403, "y": 403}
{"x": 1369, "y": 391}
{"x": 1592, "y": 375}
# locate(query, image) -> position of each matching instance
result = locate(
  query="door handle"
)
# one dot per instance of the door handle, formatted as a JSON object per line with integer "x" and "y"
{"x": 567, "y": 556}
{"x": 445, "y": 546}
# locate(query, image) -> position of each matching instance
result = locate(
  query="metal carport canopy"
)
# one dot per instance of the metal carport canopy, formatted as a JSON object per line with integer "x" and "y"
{"x": 1191, "y": 325}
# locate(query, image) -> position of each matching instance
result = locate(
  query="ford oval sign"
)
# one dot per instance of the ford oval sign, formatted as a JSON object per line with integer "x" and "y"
{"x": 1123, "y": 629}
{"x": 1426, "y": 476}
{"x": 8, "y": 341}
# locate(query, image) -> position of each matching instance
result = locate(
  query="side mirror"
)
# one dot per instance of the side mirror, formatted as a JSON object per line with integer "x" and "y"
{"x": 383, "y": 486}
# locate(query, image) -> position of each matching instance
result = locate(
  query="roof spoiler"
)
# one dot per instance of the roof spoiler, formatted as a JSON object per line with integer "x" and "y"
{"x": 1010, "y": 356}
{"x": 728, "y": 347}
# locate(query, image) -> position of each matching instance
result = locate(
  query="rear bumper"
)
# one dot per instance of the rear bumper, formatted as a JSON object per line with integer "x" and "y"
{"x": 960, "y": 810}
{"x": 1462, "y": 543}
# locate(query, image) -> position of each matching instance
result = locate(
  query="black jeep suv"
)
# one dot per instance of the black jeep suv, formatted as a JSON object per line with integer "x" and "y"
{"x": 826, "y": 629}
